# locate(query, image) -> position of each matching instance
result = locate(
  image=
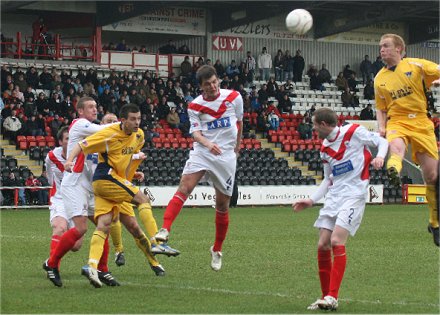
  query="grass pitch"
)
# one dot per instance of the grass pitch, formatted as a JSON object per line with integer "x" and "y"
{"x": 269, "y": 266}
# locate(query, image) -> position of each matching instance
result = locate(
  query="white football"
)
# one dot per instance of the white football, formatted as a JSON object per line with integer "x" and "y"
{"x": 299, "y": 21}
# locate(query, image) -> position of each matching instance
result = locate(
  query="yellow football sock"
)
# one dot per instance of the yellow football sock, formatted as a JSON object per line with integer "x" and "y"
{"x": 145, "y": 246}
{"x": 96, "y": 248}
{"x": 146, "y": 216}
{"x": 116, "y": 234}
{"x": 394, "y": 161}
{"x": 431, "y": 196}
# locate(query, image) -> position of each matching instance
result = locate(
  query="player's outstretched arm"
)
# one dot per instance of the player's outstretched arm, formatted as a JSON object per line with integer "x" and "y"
{"x": 73, "y": 154}
{"x": 302, "y": 204}
{"x": 382, "y": 150}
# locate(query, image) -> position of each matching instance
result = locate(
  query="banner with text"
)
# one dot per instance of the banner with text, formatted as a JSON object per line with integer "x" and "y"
{"x": 227, "y": 43}
{"x": 169, "y": 20}
{"x": 253, "y": 195}
{"x": 275, "y": 28}
{"x": 272, "y": 28}
{"x": 367, "y": 35}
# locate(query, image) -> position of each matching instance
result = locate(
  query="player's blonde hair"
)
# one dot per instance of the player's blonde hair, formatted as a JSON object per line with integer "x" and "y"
{"x": 397, "y": 41}
{"x": 325, "y": 114}
{"x": 106, "y": 119}
{"x": 83, "y": 100}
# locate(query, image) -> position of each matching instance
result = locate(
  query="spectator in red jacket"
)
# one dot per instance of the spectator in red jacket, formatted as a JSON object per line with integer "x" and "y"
{"x": 33, "y": 192}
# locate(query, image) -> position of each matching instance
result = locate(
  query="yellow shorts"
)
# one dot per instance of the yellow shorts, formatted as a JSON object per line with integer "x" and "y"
{"x": 114, "y": 194}
{"x": 419, "y": 132}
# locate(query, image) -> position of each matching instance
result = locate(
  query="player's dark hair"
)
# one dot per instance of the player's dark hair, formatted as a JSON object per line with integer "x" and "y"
{"x": 326, "y": 115}
{"x": 83, "y": 100}
{"x": 61, "y": 132}
{"x": 205, "y": 72}
{"x": 128, "y": 108}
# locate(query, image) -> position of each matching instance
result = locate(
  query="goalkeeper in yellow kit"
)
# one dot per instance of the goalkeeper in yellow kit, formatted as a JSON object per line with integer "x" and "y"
{"x": 402, "y": 116}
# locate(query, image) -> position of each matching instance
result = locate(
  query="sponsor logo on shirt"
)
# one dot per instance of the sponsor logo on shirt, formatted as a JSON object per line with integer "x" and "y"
{"x": 93, "y": 157}
{"x": 408, "y": 74}
{"x": 196, "y": 124}
{"x": 342, "y": 168}
{"x": 127, "y": 150}
{"x": 84, "y": 143}
{"x": 223, "y": 122}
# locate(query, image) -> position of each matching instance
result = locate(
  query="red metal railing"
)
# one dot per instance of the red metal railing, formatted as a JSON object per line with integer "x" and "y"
{"x": 50, "y": 48}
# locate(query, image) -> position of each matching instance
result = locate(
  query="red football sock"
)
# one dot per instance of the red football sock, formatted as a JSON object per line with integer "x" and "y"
{"x": 103, "y": 262}
{"x": 325, "y": 268}
{"x": 53, "y": 245}
{"x": 221, "y": 228}
{"x": 66, "y": 243}
{"x": 338, "y": 269}
{"x": 173, "y": 209}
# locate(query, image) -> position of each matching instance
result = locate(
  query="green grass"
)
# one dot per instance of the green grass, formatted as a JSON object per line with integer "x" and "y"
{"x": 269, "y": 266}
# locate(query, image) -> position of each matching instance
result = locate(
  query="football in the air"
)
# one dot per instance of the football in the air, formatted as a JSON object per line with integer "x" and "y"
{"x": 299, "y": 21}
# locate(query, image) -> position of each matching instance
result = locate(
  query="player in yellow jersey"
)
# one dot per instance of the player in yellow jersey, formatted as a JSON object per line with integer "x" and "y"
{"x": 402, "y": 116}
{"x": 146, "y": 216}
{"x": 117, "y": 146}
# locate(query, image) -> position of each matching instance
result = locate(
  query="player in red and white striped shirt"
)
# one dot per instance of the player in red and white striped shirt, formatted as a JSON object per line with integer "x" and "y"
{"x": 54, "y": 161}
{"x": 216, "y": 126}
{"x": 346, "y": 160}
{"x": 77, "y": 194}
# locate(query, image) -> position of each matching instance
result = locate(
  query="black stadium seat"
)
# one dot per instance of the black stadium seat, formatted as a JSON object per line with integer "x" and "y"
{"x": 11, "y": 162}
{"x": 5, "y": 171}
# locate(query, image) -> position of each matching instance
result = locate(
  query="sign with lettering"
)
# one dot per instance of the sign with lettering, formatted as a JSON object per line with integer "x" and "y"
{"x": 167, "y": 20}
{"x": 227, "y": 43}
{"x": 273, "y": 28}
{"x": 253, "y": 195}
{"x": 367, "y": 35}
{"x": 431, "y": 44}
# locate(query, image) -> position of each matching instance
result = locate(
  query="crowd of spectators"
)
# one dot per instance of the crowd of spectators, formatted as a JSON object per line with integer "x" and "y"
{"x": 32, "y": 195}
{"x": 164, "y": 101}
{"x": 26, "y": 113}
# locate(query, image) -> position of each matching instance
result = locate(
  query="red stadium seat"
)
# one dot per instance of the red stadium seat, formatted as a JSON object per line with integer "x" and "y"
{"x": 23, "y": 145}
{"x": 175, "y": 144}
{"x": 286, "y": 146}
{"x": 157, "y": 142}
{"x": 21, "y": 138}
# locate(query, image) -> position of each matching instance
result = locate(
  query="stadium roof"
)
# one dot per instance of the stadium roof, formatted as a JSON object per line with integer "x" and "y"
{"x": 330, "y": 17}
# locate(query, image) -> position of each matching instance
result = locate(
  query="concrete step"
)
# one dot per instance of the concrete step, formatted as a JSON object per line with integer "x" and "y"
{"x": 276, "y": 147}
{"x": 36, "y": 170}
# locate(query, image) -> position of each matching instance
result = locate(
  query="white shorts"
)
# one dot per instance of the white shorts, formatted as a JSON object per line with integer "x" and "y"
{"x": 57, "y": 210}
{"x": 345, "y": 212}
{"x": 78, "y": 199}
{"x": 220, "y": 169}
